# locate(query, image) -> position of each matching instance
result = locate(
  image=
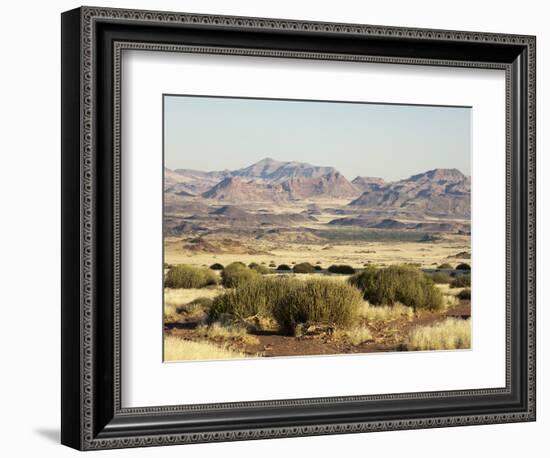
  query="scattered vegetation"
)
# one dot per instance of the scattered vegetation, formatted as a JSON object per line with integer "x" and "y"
{"x": 303, "y": 268}
{"x": 398, "y": 283}
{"x": 236, "y": 274}
{"x": 216, "y": 266}
{"x": 176, "y": 349}
{"x": 465, "y": 294}
{"x": 184, "y": 276}
{"x": 440, "y": 277}
{"x": 341, "y": 269}
{"x": 263, "y": 270}
{"x": 370, "y": 235}
{"x": 463, "y": 266}
{"x": 284, "y": 267}
{"x": 446, "y": 335}
{"x": 461, "y": 281}
{"x": 290, "y": 302}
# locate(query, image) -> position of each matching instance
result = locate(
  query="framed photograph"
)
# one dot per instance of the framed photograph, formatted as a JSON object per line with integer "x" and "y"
{"x": 276, "y": 228}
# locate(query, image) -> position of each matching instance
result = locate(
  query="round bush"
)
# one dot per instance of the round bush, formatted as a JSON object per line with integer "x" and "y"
{"x": 465, "y": 294}
{"x": 463, "y": 266}
{"x": 258, "y": 268}
{"x": 461, "y": 281}
{"x": 255, "y": 297}
{"x": 317, "y": 267}
{"x": 399, "y": 283}
{"x": 303, "y": 268}
{"x": 284, "y": 267}
{"x": 341, "y": 269}
{"x": 236, "y": 274}
{"x": 216, "y": 266}
{"x": 184, "y": 276}
{"x": 317, "y": 301}
{"x": 441, "y": 277}
{"x": 445, "y": 265}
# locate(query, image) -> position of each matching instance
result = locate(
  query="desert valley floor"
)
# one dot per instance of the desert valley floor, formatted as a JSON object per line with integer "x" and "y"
{"x": 284, "y": 213}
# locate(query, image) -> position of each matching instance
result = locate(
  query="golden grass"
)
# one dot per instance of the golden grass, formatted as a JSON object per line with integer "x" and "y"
{"x": 176, "y": 349}
{"x": 178, "y": 300}
{"x": 450, "y": 300}
{"x": 354, "y": 336}
{"x": 446, "y": 335}
{"x": 385, "y": 312}
{"x": 171, "y": 314}
{"x": 284, "y": 250}
{"x": 182, "y": 296}
{"x": 227, "y": 332}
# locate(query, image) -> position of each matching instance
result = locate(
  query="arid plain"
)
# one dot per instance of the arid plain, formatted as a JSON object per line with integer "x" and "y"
{"x": 274, "y": 218}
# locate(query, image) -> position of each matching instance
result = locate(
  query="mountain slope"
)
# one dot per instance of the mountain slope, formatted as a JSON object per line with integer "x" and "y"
{"x": 333, "y": 185}
{"x": 274, "y": 171}
{"x": 236, "y": 189}
{"x": 438, "y": 191}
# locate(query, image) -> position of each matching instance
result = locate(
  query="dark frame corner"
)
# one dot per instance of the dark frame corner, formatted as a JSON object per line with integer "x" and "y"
{"x": 92, "y": 40}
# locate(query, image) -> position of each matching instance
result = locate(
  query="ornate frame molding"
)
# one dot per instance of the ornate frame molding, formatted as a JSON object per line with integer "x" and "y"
{"x": 89, "y": 437}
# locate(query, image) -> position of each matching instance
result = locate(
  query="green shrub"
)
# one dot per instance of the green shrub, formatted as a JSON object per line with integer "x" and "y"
{"x": 284, "y": 267}
{"x": 304, "y": 268}
{"x": 216, "y": 266}
{"x": 258, "y": 268}
{"x": 399, "y": 283}
{"x": 236, "y": 273}
{"x": 440, "y": 277}
{"x": 465, "y": 294}
{"x": 445, "y": 265}
{"x": 318, "y": 267}
{"x": 255, "y": 297}
{"x": 365, "y": 280}
{"x": 199, "y": 304}
{"x": 461, "y": 281}
{"x": 341, "y": 269}
{"x": 317, "y": 301}
{"x": 463, "y": 266}
{"x": 183, "y": 276}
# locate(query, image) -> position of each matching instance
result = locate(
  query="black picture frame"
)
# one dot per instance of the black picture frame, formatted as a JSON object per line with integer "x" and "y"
{"x": 92, "y": 40}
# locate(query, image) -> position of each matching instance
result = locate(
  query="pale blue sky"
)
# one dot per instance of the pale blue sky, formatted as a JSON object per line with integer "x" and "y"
{"x": 388, "y": 141}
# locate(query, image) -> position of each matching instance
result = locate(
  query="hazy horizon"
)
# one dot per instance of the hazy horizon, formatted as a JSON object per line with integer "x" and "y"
{"x": 392, "y": 142}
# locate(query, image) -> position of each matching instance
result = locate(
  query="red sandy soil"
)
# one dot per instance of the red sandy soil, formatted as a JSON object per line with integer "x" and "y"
{"x": 386, "y": 337}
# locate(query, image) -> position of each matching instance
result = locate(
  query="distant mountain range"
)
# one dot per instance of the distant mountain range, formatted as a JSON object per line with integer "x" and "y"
{"x": 438, "y": 191}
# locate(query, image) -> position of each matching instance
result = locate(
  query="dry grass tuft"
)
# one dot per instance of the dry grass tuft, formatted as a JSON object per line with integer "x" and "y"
{"x": 385, "y": 312}
{"x": 355, "y": 336}
{"x": 227, "y": 332}
{"x": 450, "y": 300}
{"x": 447, "y": 335}
{"x": 171, "y": 314}
{"x": 184, "y": 296}
{"x": 176, "y": 349}
{"x": 193, "y": 303}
